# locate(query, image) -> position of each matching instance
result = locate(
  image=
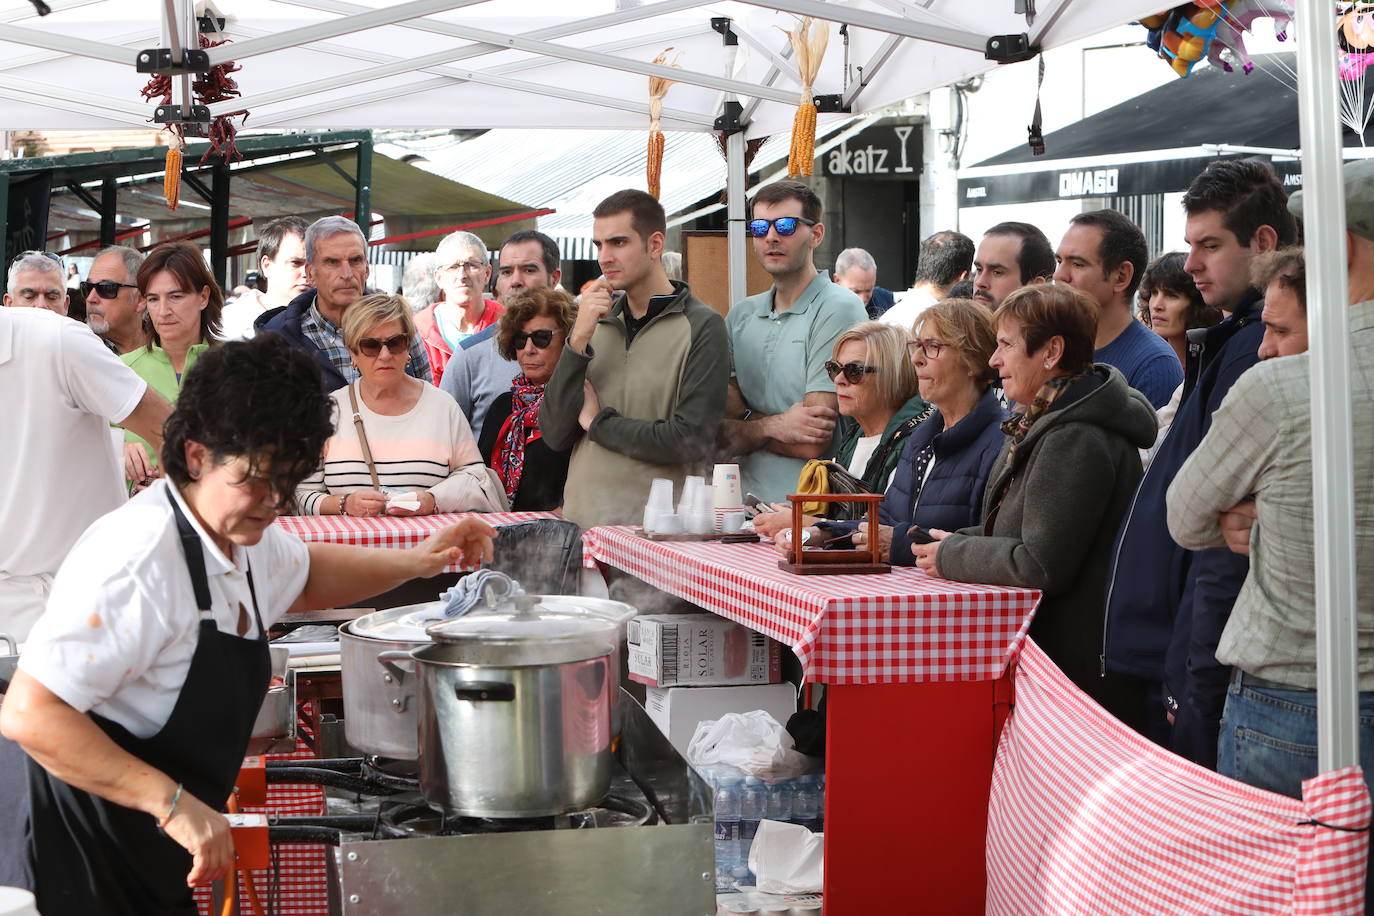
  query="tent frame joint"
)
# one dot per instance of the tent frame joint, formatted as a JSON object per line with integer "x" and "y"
{"x": 831, "y": 104}
{"x": 722, "y": 24}
{"x": 160, "y": 61}
{"x": 731, "y": 117}
{"x": 1010, "y": 49}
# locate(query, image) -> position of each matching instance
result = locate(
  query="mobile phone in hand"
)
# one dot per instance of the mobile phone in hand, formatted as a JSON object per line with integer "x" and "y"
{"x": 919, "y": 535}
{"x": 755, "y": 506}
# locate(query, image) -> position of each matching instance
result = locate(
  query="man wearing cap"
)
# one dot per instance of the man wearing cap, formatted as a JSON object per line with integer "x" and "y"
{"x": 1260, "y": 446}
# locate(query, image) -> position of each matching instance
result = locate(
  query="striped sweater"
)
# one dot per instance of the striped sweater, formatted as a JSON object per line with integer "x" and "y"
{"x": 430, "y": 447}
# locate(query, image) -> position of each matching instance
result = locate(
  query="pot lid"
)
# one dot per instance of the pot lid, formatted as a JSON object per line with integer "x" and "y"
{"x": 410, "y": 622}
{"x": 535, "y": 635}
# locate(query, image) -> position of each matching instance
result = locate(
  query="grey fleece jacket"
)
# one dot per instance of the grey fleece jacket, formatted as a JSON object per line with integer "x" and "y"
{"x": 1067, "y": 490}
{"x": 662, "y": 398}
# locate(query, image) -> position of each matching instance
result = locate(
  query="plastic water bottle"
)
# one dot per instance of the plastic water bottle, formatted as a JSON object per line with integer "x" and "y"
{"x": 728, "y": 798}
{"x": 778, "y": 805}
{"x": 806, "y": 804}
{"x": 753, "y": 808}
{"x": 820, "y": 791}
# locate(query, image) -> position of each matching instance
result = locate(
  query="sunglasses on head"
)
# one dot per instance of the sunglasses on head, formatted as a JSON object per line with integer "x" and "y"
{"x": 853, "y": 372}
{"x": 44, "y": 254}
{"x": 542, "y": 338}
{"x": 105, "y": 289}
{"x": 786, "y": 225}
{"x": 372, "y": 346}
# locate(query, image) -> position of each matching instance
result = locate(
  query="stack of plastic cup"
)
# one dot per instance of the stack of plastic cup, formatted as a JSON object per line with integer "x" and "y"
{"x": 658, "y": 511}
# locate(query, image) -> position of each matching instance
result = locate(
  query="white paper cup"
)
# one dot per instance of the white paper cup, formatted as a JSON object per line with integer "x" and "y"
{"x": 733, "y": 522}
{"x": 725, "y": 486}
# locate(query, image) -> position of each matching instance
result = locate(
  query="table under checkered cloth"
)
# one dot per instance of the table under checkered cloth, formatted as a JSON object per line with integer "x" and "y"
{"x": 1087, "y": 816}
{"x": 902, "y": 627}
{"x": 297, "y": 882}
{"x": 396, "y": 531}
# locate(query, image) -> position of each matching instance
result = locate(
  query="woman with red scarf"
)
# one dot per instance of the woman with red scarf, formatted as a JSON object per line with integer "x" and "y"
{"x": 533, "y": 330}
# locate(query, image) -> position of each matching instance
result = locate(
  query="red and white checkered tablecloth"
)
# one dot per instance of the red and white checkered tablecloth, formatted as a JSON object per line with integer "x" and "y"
{"x": 395, "y": 531}
{"x": 1087, "y": 816}
{"x": 902, "y": 627}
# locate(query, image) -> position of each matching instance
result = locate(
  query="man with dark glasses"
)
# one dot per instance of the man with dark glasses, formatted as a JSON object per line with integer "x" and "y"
{"x": 337, "y": 270}
{"x": 36, "y": 281}
{"x": 781, "y": 407}
{"x": 114, "y": 309}
{"x": 640, "y": 387}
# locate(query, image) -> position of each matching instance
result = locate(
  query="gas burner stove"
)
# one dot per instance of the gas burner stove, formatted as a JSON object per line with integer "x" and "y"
{"x": 401, "y": 775}
{"x": 407, "y": 818}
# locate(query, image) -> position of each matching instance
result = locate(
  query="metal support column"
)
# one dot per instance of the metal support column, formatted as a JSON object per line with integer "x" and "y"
{"x": 109, "y": 207}
{"x": 362, "y": 194}
{"x": 1328, "y": 319}
{"x": 735, "y": 180}
{"x": 5, "y": 217}
{"x": 219, "y": 221}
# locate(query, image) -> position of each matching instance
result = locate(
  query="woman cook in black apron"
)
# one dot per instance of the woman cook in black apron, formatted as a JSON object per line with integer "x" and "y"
{"x": 136, "y": 694}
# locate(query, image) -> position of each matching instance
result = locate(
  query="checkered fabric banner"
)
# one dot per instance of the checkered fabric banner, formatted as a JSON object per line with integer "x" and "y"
{"x": 1087, "y": 816}
{"x": 396, "y": 531}
{"x": 902, "y": 627}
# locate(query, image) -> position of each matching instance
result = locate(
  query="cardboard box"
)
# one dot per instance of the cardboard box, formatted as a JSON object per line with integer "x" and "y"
{"x": 700, "y": 650}
{"x": 677, "y": 710}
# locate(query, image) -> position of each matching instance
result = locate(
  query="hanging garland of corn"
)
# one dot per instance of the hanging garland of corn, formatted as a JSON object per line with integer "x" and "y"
{"x": 809, "y": 40}
{"x": 171, "y": 173}
{"x": 658, "y": 88}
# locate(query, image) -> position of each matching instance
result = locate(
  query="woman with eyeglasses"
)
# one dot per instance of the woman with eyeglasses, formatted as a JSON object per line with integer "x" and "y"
{"x": 533, "y": 330}
{"x": 945, "y": 463}
{"x": 879, "y": 404}
{"x": 400, "y": 446}
{"x": 182, "y": 320}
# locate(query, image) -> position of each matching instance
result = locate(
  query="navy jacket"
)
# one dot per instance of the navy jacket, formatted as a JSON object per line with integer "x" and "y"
{"x": 952, "y": 497}
{"x": 1160, "y": 594}
{"x": 286, "y": 321}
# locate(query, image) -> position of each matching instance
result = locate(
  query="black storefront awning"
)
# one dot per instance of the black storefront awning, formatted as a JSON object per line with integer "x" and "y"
{"x": 1178, "y": 119}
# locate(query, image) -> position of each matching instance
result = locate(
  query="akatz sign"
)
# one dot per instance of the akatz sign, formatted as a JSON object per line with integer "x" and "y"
{"x": 1088, "y": 183}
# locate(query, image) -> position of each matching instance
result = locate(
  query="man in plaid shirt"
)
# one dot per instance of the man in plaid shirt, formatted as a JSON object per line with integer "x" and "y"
{"x": 337, "y": 269}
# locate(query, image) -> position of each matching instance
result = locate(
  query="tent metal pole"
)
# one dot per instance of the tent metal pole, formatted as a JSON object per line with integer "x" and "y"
{"x": 5, "y": 215}
{"x": 878, "y": 22}
{"x": 735, "y": 179}
{"x": 219, "y": 220}
{"x": 109, "y": 206}
{"x": 780, "y": 63}
{"x": 362, "y": 188}
{"x": 769, "y": 79}
{"x": 67, "y": 44}
{"x": 1328, "y": 317}
{"x": 870, "y": 69}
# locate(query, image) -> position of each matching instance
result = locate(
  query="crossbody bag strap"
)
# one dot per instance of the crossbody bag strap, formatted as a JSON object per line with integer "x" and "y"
{"x": 362, "y": 437}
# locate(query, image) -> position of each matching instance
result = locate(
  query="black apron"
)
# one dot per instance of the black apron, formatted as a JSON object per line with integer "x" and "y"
{"x": 91, "y": 857}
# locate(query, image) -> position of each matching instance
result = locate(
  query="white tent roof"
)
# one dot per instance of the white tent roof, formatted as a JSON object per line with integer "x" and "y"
{"x": 513, "y": 63}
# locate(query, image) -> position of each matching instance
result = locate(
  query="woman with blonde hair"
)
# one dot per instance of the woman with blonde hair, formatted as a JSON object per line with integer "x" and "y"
{"x": 394, "y": 433}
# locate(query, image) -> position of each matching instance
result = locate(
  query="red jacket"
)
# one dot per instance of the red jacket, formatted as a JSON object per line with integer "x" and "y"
{"x": 436, "y": 347}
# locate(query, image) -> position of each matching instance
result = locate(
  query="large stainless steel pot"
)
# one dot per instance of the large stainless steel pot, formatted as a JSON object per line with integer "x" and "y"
{"x": 379, "y": 676}
{"x": 515, "y": 713}
{"x": 274, "y": 729}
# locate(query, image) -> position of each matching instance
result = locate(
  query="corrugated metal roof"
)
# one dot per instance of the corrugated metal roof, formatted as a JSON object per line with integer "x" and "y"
{"x": 571, "y": 171}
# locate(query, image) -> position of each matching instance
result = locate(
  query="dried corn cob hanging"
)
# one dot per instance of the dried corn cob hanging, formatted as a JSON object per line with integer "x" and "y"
{"x": 171, "y": 173}
{"x": 658, "y": 88}
{"x": 809, "y": 40}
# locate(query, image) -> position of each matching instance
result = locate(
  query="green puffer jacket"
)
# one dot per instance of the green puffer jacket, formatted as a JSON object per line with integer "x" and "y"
{"x": 884, "y": 458}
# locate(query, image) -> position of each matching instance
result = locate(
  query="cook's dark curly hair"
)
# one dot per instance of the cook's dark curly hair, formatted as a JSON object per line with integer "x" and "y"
{"x": 261, "y": 399}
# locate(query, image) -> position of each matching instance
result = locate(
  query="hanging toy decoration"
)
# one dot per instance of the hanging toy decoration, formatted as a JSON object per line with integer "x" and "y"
{"x": 658, "y": 89}
{"x": 1182, "y": 36}
{"x": 809, "y": 40}
{"x": 1239, "y": 19}
{"x": 1355, "y": 35}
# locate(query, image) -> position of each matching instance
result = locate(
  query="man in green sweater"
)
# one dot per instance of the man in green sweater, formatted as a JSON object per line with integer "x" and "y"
{"x": 639, "y": 391}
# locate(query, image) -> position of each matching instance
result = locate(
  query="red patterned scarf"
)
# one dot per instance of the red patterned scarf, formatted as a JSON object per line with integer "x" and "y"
{"x": 519, "y": 430}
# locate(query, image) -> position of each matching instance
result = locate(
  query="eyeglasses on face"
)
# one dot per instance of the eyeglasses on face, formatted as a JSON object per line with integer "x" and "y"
{"x": 469, "y": 266}
{"x": 853, "y": 372}
{"x": 105, "y": 289}
{"x": 786, "y": 225}
{"x": 931, "y": 348}
{"x": 542, "y": 339}
{"x": 372, "y": 346}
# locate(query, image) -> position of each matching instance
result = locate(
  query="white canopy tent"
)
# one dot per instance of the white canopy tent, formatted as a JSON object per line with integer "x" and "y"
{"x": 519, "y": 63}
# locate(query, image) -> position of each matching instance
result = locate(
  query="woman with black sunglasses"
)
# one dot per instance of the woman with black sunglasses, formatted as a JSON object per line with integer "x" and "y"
{"x": 400, "y": 445}
{"x": 533, "y": 330}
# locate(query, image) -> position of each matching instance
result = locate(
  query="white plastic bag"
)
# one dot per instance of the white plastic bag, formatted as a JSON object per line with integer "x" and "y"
{"x": 787, "y": 859}
{"x": 752, "y": 741}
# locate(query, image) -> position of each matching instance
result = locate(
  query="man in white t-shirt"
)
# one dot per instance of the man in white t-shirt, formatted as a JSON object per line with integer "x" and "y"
{"x": 62, "y": 389}
{"x": 945, "y": 259}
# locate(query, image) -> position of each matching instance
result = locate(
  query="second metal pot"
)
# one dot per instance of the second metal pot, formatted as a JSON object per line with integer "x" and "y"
{"x": 515, "y": 714}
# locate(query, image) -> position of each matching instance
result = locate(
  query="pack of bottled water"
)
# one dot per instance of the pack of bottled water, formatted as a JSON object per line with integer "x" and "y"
{"x": 742, "y": 801}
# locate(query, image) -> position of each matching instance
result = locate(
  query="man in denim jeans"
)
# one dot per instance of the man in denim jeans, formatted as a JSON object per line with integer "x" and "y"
{"x": 1260, "y": 446}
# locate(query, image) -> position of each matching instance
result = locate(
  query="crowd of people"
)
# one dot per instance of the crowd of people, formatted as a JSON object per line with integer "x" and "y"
{"x": 1130, "y": 437}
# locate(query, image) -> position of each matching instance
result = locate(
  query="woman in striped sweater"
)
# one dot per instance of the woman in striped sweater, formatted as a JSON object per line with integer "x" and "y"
{"x": 416, "y": 437}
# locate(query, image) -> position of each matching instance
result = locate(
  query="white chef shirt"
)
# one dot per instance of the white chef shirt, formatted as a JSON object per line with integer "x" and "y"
{"x": 122, "y": 623}
{"x": 62, "y": 388}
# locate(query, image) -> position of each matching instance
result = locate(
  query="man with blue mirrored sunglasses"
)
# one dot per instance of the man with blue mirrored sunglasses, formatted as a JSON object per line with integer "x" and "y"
{"x": 781, "y": 409}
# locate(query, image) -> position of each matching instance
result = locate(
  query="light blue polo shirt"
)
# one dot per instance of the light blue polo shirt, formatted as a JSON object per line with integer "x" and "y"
{"x": 780, "y": 356}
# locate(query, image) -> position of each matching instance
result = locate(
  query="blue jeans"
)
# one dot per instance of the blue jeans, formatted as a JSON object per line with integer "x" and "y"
{"x": 1269, "y": 740}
